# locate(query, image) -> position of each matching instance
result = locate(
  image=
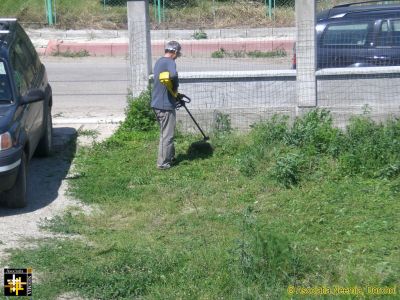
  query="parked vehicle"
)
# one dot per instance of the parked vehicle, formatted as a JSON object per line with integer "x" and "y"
{"x": 358, "y": 35}
{"x": 25, "y": 111}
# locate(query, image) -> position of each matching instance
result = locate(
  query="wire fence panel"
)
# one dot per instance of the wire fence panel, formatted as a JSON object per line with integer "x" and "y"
{"x": 35, "y": 14}
{"x": 113, "y": 2}
{"x": 230, "y": 50}
{"x": 198, "y": 14}
{"x": 243, "y": 98}
{"x": 358, "y": 72}
{"x": 357, "y": 56}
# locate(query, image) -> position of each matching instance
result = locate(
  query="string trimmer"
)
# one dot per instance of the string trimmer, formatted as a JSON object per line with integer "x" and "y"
{"x": 181, "y": 99}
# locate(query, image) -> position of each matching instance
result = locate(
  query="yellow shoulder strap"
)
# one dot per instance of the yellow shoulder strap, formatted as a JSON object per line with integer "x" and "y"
{"x": 166, "y": 80}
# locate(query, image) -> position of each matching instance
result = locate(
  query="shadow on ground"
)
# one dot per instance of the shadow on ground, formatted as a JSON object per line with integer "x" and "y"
{"x": 45, "y": 175}
{"x": 197, "y": 150}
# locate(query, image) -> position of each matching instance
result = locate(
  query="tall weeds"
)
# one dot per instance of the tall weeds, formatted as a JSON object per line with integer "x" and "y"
{"x": 312, "y": 146}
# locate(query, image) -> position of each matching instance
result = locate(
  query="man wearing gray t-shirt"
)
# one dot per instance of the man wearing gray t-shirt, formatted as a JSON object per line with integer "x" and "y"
{"x": 164, "y": 104}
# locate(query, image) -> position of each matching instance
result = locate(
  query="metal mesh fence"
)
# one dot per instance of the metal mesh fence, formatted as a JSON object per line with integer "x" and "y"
{"x": 113, "y": 2}
{"x": 358, "y": 58}
{"x": 244, "y": 72}
{"x": 197, "y": 14}
{"x": 356, "y": 69}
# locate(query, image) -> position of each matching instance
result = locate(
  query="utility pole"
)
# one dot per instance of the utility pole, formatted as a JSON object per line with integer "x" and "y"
{"x": 139, "y": 45}
{"x": 306, "y": 55}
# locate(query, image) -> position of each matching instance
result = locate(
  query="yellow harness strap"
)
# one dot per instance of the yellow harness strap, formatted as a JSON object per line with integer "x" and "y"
{"x": 166, "y": 80}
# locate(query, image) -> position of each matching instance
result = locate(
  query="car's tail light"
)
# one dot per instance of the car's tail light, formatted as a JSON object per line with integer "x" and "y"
{"x": 5, "y": 141}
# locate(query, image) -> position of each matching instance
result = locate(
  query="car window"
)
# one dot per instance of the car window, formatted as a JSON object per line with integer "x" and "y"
{"x": 30, "y": 50}
{"x": 389, "y": 33}
{"x": 384, "y": 38}
{"x": 26, "y": 59}
{"x": 19, "y": 69}
{"x": 348, "y": 34}
{"x": 395, "y": 32}
{"x": 5, "y": 90}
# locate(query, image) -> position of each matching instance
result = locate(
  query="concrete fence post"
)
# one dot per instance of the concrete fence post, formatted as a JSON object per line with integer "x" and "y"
{"x": 306, "y": 55}
{"x": 139, "y": 45}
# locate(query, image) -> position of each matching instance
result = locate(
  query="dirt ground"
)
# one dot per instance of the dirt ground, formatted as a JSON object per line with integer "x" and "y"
{"x": 47, "y": 185}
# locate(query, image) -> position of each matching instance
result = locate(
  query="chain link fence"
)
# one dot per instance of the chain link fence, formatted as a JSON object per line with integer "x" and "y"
{"x": 164, "y": 14}
{"x": 197, "y": 14}
{"x": 222, "y": 78}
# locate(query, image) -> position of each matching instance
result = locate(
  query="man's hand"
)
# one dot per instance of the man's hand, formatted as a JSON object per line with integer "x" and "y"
{"x": 179, "y": 100}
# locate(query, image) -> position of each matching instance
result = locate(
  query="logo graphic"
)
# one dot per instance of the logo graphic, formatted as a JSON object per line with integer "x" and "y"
{"x": 18, "y": 282}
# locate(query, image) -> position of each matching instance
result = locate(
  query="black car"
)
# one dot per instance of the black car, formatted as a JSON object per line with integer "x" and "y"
{"x": 358, "y": 35}
{"x": 25, "y": 111}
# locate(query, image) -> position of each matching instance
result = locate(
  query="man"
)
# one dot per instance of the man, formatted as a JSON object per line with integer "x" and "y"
{"x": 164, "y": 104}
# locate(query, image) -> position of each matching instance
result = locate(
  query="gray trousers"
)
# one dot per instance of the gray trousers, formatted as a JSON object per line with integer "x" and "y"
{"x": 166, "y": 149}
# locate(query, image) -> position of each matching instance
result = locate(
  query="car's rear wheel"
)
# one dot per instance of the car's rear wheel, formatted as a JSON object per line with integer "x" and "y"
{"x": 45, "y": 144}
{"x": 16, "y": 197}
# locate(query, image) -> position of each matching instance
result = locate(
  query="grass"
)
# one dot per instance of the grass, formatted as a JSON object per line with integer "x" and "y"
{"x": 77, "y": 14}
{"x": 70, "y": 14}
{"x": 302, "y": 204}
{"x": 222, "y": 53}
{"x": 72, "y": 54}
{"x": 197, "y": 15}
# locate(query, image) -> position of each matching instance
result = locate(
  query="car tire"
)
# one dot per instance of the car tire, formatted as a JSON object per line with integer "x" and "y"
{"x": 16, "y": 196}
{"x": 44, "y": 147}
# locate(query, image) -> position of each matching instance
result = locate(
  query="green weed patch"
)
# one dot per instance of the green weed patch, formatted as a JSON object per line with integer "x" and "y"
{"x": 301, "y": 203}
{"x": 222, "y": 53}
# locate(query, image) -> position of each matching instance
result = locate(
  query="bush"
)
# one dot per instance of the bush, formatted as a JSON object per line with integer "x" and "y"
{"x": 222, "y": 124}
{"x": 219, "y": 54}
{"x": 287, "y": 170}
{"x": 139, "y": 115}
{"x": 315, "y": 133}
{"x": 371, "y": 148}
{"x": 271, "y": 131}
{"x": 312, "y": 147}
{"x": 199, "y": 35}
{"x": 247, "y": 164}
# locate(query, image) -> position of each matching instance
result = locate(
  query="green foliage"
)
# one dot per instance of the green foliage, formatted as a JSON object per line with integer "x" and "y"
{"x": 221, "y": 53}
{"x": 139, "y": 115}
{"x": 390, "y": 171}
{"x": 288, "y": 168}
{"x": 222, "y": 124}
{"x": 220, "y": 226}
{"x": 264, "y": 256}
{"x": 200, "y": 35}
{"x": 312, "y": 147}
{"x": 247, "y": 162}
{"x": 315, "y": 132}
{"x": 371, "y": 148}
{"x": 264, "y": 54}
{"x": 228, "y": 144}
{"x": 274, "y": 130}
{"x": 73, "y": 54}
